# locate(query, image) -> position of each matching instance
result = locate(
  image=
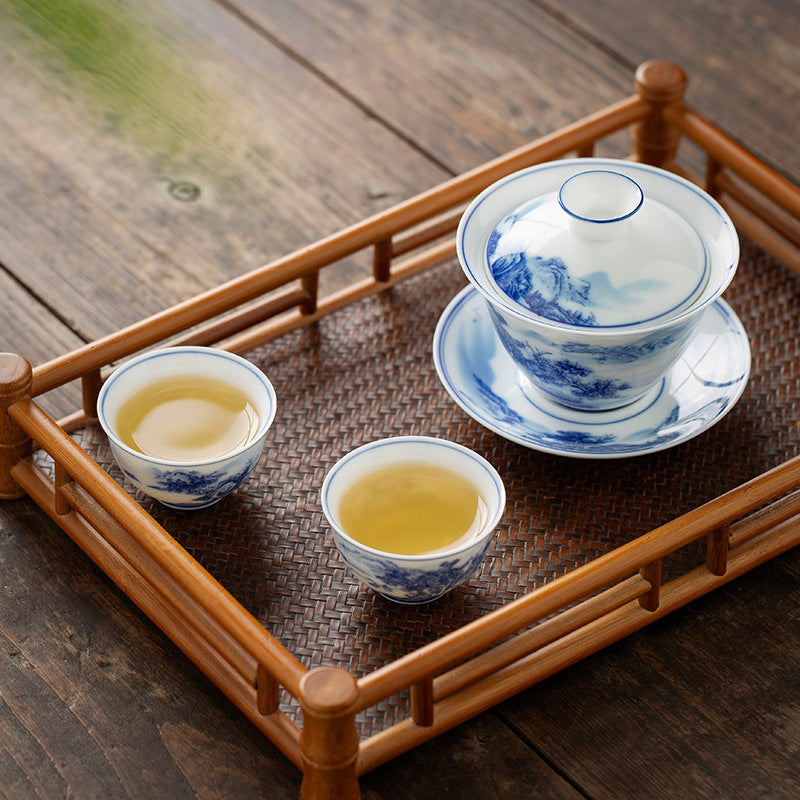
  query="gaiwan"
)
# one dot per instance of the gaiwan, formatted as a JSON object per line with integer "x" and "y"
{"x": 596, "y": 273}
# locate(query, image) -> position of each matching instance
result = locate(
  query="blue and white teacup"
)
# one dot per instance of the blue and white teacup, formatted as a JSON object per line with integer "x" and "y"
{"x": 403, "y": 578}
{"x": 187, "y": 484}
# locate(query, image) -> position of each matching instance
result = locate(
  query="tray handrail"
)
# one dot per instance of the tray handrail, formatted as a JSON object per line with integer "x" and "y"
{"x": 763, "y": 204}
{"x": 152, "y": 537}
{"x": 581, "y": 598}
{"x": 725, "y": 151}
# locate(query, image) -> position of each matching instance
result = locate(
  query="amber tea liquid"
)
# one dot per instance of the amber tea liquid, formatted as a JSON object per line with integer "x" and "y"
{"x": 411, "y": 509}
{"x": 187, "y": 418}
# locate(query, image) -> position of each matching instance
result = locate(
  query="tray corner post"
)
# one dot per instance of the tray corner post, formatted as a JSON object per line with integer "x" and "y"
{"x": 659, "y": 84}
{"x": 16, "y": 379}
{"x": 329, "y": 740}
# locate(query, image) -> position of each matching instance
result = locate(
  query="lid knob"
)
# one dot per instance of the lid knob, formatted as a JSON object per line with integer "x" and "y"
{"x": 600, "y": 203}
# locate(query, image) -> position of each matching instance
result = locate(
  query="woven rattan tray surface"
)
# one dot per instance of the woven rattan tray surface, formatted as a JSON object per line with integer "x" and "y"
{"x": 367, "y": 372}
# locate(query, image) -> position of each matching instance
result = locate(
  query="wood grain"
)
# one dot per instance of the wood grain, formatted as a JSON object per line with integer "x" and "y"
{"x": 28, "y": 328}
{"x": 698, "y": 705}
{"x": 485, "y": 759}
{"x": 248, "y": 129}
{"x": 465, "y": 81}
{"x": 108, "y": 217}
{"x": 729, "y": 48}
{"x": 94, "y": 699}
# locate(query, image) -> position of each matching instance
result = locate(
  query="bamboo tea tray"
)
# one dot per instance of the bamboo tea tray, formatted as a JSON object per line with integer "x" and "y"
{"x": 253, "y": 590}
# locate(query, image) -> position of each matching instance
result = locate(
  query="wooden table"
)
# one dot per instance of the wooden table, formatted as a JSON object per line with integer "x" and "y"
{"x": 154, "y": 152}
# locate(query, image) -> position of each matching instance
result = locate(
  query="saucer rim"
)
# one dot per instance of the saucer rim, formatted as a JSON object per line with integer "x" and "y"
{"x": 470, "y": 293}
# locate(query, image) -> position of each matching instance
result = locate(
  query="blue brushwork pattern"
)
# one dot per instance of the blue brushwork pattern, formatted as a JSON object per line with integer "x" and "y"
{"x": 543, "y": 286}
{"x": 192, "y": 489}
{"x": 495, "y": 405}
{"x": 406, "y": 583}
{"x": 574, "y": 378}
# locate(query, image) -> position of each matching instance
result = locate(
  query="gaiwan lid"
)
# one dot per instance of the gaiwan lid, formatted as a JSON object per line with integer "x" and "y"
{"x": 598, "y": 253}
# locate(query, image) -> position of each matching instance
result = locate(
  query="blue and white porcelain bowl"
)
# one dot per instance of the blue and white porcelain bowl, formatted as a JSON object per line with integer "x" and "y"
{"x": 187, "y": 484}
{"x": 422, "y": 578}
{"x": 596, "y": 273}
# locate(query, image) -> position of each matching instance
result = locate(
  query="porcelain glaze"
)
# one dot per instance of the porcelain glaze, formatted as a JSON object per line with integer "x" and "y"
{"x": 179, "y": 484}
{"x": 594, "y": 320}
{"x": 597, "y": 254}
{"x": 694, "y": 394}
{"x": 422, "y": 578}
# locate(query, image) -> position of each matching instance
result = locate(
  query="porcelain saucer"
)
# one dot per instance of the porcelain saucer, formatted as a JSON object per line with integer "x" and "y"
{"x": 696, "y": 393}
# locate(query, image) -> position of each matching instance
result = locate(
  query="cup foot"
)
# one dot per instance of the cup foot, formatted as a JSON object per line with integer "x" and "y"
{"x": 405, "y": 601}
{"x": 540, "y": 400}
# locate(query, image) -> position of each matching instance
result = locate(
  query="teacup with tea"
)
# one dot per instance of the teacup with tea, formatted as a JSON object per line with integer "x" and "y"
{"x": 187, "y": 424}
{"x": 187, "y": 418}
{"x": 413, "y": 516}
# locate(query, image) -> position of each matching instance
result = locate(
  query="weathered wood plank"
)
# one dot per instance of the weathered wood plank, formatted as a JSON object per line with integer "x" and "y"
{"x": 483, "y": 758}
{"x": 95, "y": 702}
{"x": 469, "y": 80}
{"x": 743, "y": 60}
{"x": 465, "y": 81}
{"x": 29, "y": 329}
{"x": 198, "y": 151}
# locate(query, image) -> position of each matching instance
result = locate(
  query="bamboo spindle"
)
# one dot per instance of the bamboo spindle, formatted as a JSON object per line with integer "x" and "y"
{"x": 717, "y": 544}
{"x": 329, "y": 739}
{"x": 659, "y": 84}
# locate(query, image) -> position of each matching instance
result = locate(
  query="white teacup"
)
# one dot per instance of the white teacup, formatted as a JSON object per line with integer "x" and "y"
{"x": 202, "y": 481}
{"x": 424, "y": 577}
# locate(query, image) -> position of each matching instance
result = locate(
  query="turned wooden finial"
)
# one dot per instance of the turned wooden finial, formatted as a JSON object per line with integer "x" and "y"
{"x": 16, "y": 377}
{"x": 329, "y": 739}
{"x": 659, "y": 83}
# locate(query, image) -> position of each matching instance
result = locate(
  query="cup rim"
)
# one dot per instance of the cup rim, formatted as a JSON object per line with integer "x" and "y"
{"x": 264, "y": 424}
{"x": 416, "y": 558}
